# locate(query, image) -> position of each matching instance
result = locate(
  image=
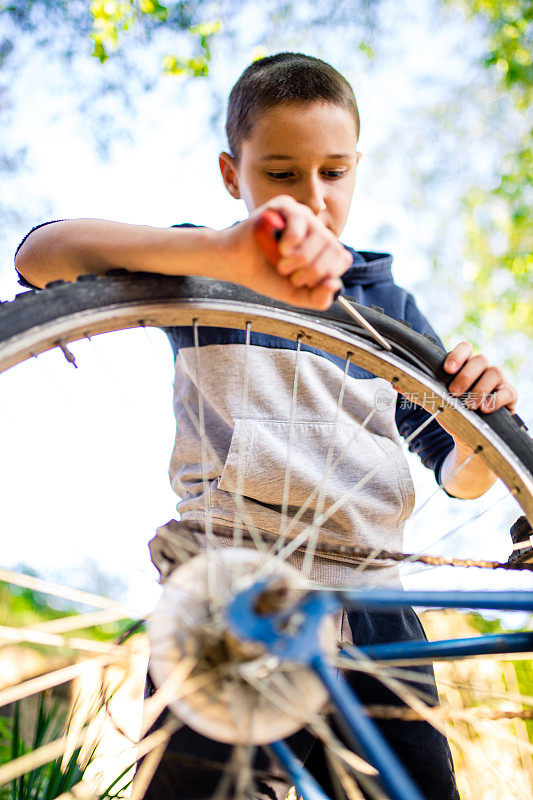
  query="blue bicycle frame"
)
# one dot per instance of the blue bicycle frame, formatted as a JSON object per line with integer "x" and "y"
{"x": 303, "y": 646}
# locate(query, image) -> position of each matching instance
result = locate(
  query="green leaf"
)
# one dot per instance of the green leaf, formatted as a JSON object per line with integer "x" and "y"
{"x": 154, "y": 9}
{"x": 54, "y": 778}
{"x": 194, "y": 67}
{"x": 99, "y": 51}
{"x": 206, "y": 28}
{"x": 365, "y": 48}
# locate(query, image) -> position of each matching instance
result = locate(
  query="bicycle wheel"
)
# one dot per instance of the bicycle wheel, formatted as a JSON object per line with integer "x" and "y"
{"x": 64, "y": 313}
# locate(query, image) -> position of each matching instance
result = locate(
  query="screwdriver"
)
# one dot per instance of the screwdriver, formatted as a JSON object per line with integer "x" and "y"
{"x": 267, "y": 231}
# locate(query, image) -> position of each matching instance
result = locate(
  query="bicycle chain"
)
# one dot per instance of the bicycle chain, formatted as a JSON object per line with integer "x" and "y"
{"x": 470, "y": 714}
{"x": 435, "y": 561}
{"x": 357, "y": 554}
{"x": 174, "y": 540}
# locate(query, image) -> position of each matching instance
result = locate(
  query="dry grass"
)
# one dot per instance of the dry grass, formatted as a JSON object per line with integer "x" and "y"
{"x": 492, "y": 757}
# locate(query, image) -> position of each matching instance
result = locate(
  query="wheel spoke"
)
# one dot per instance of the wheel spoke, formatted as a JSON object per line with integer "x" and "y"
{"x": 239, "y": 500}
{"x": 288, "y": 466}
{"x": 301, "y": 539}
{"x": 212, "y": 685}
{"x": 64, "y": 592}
{"x": 239, "y": 484}
{"x": 445, "y": 537}
{"x": 11, "y": 694}
{"x": 330, "y": 470}
{"x": 321, "y": 494}
{"x": 207, "y": 509}
{"x": 146, "y": 771}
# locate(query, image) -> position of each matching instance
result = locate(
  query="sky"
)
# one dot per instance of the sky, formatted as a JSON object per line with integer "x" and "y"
{"x": 85, "y": 452}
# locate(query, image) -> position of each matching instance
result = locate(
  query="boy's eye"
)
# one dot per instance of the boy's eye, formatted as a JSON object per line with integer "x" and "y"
{"x": 330, "y": 173}
{"x": 279, "y": 175}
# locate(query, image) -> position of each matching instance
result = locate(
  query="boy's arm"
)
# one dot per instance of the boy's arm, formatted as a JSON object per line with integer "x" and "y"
{"x": 69, "y": 248}
{"x": 64, "y": 250}
{"x": 487, "y": 388}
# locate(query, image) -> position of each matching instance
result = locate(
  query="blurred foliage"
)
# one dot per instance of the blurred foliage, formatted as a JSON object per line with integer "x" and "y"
{"x": 6, "y": 725}
{"x": 52, "y": 779}
{"x": 497, "y": 243}
{"x": 112, "y": 18}
{"x": 56, "y": 777}
{"x": 508, "y": 41}
{"x": 197, "y": 67}
{"x": 21, "y": 607}
{"x": 524, "y": 677}
{"x": 484, "y": 625}
{"x": 108, "y": 24}
{"x": 523, "y": 671}
{"x": 498, "y": 233}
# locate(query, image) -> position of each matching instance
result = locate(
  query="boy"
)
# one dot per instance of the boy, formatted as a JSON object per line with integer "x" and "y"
{"x": 292, "y": 129}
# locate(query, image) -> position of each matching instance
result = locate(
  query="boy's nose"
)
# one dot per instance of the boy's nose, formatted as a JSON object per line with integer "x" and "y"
{"x": 312, "y": 195}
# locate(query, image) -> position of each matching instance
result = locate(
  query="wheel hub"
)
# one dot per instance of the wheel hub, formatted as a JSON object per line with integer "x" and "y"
{"x": 245, "y": 695}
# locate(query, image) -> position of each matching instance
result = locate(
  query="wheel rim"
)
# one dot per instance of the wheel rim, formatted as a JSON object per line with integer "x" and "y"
{"x": 209, "y": 312}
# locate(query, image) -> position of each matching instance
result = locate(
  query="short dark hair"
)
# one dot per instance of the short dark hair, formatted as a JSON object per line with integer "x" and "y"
{"x": 283, "y": 78}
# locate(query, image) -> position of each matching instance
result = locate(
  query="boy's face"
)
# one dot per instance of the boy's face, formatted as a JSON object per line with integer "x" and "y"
{"x": 305, "y": 150}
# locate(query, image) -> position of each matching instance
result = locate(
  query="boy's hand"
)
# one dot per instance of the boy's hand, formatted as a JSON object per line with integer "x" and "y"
{"x": 484, "y": 386}
{"x": 311, "y": 263}
{"x": 309, "y": 252}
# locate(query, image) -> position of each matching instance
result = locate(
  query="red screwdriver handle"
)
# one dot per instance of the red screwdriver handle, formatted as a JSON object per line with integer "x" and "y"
{"x": 267, "y": 231}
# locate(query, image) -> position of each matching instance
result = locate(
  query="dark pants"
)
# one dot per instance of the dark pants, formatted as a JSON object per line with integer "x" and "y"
{"x": 189, "y": 770}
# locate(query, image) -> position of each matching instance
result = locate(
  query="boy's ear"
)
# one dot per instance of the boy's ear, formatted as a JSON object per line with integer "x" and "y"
{"x": 229, "y": 174}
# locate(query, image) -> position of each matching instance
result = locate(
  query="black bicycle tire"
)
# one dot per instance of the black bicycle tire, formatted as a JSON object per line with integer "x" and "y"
{"x": 33, "y": 309}
{"x": 120, "y": 288}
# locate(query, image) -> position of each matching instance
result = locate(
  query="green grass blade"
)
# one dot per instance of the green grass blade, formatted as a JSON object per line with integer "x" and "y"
{"x": 17, "y": 749}
{"x": 106, "y": 794}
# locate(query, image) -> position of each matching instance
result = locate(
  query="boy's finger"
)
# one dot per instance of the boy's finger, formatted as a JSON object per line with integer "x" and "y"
{"x": 306, "y": 254}
{"x": 468, "y": 375}
{"x": 317, "y": 272}
{"x": 320, "y": 297}
{"x": 312, "y": 276}
{"x": 331, "y": 262}
{"x": 458, "y": 356}
{"x": 296, "y": 222}
{"x": 286, "y": 266}
{"x": 491, "y": 379}
{"x": 505, "y": 397}
{"x": 328, "y": 263}
{"x": 292, "y": 236}
{"x": 324, "y": 293}
{"x": 301, "y": 278}
{"x": 299, "y": 261}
